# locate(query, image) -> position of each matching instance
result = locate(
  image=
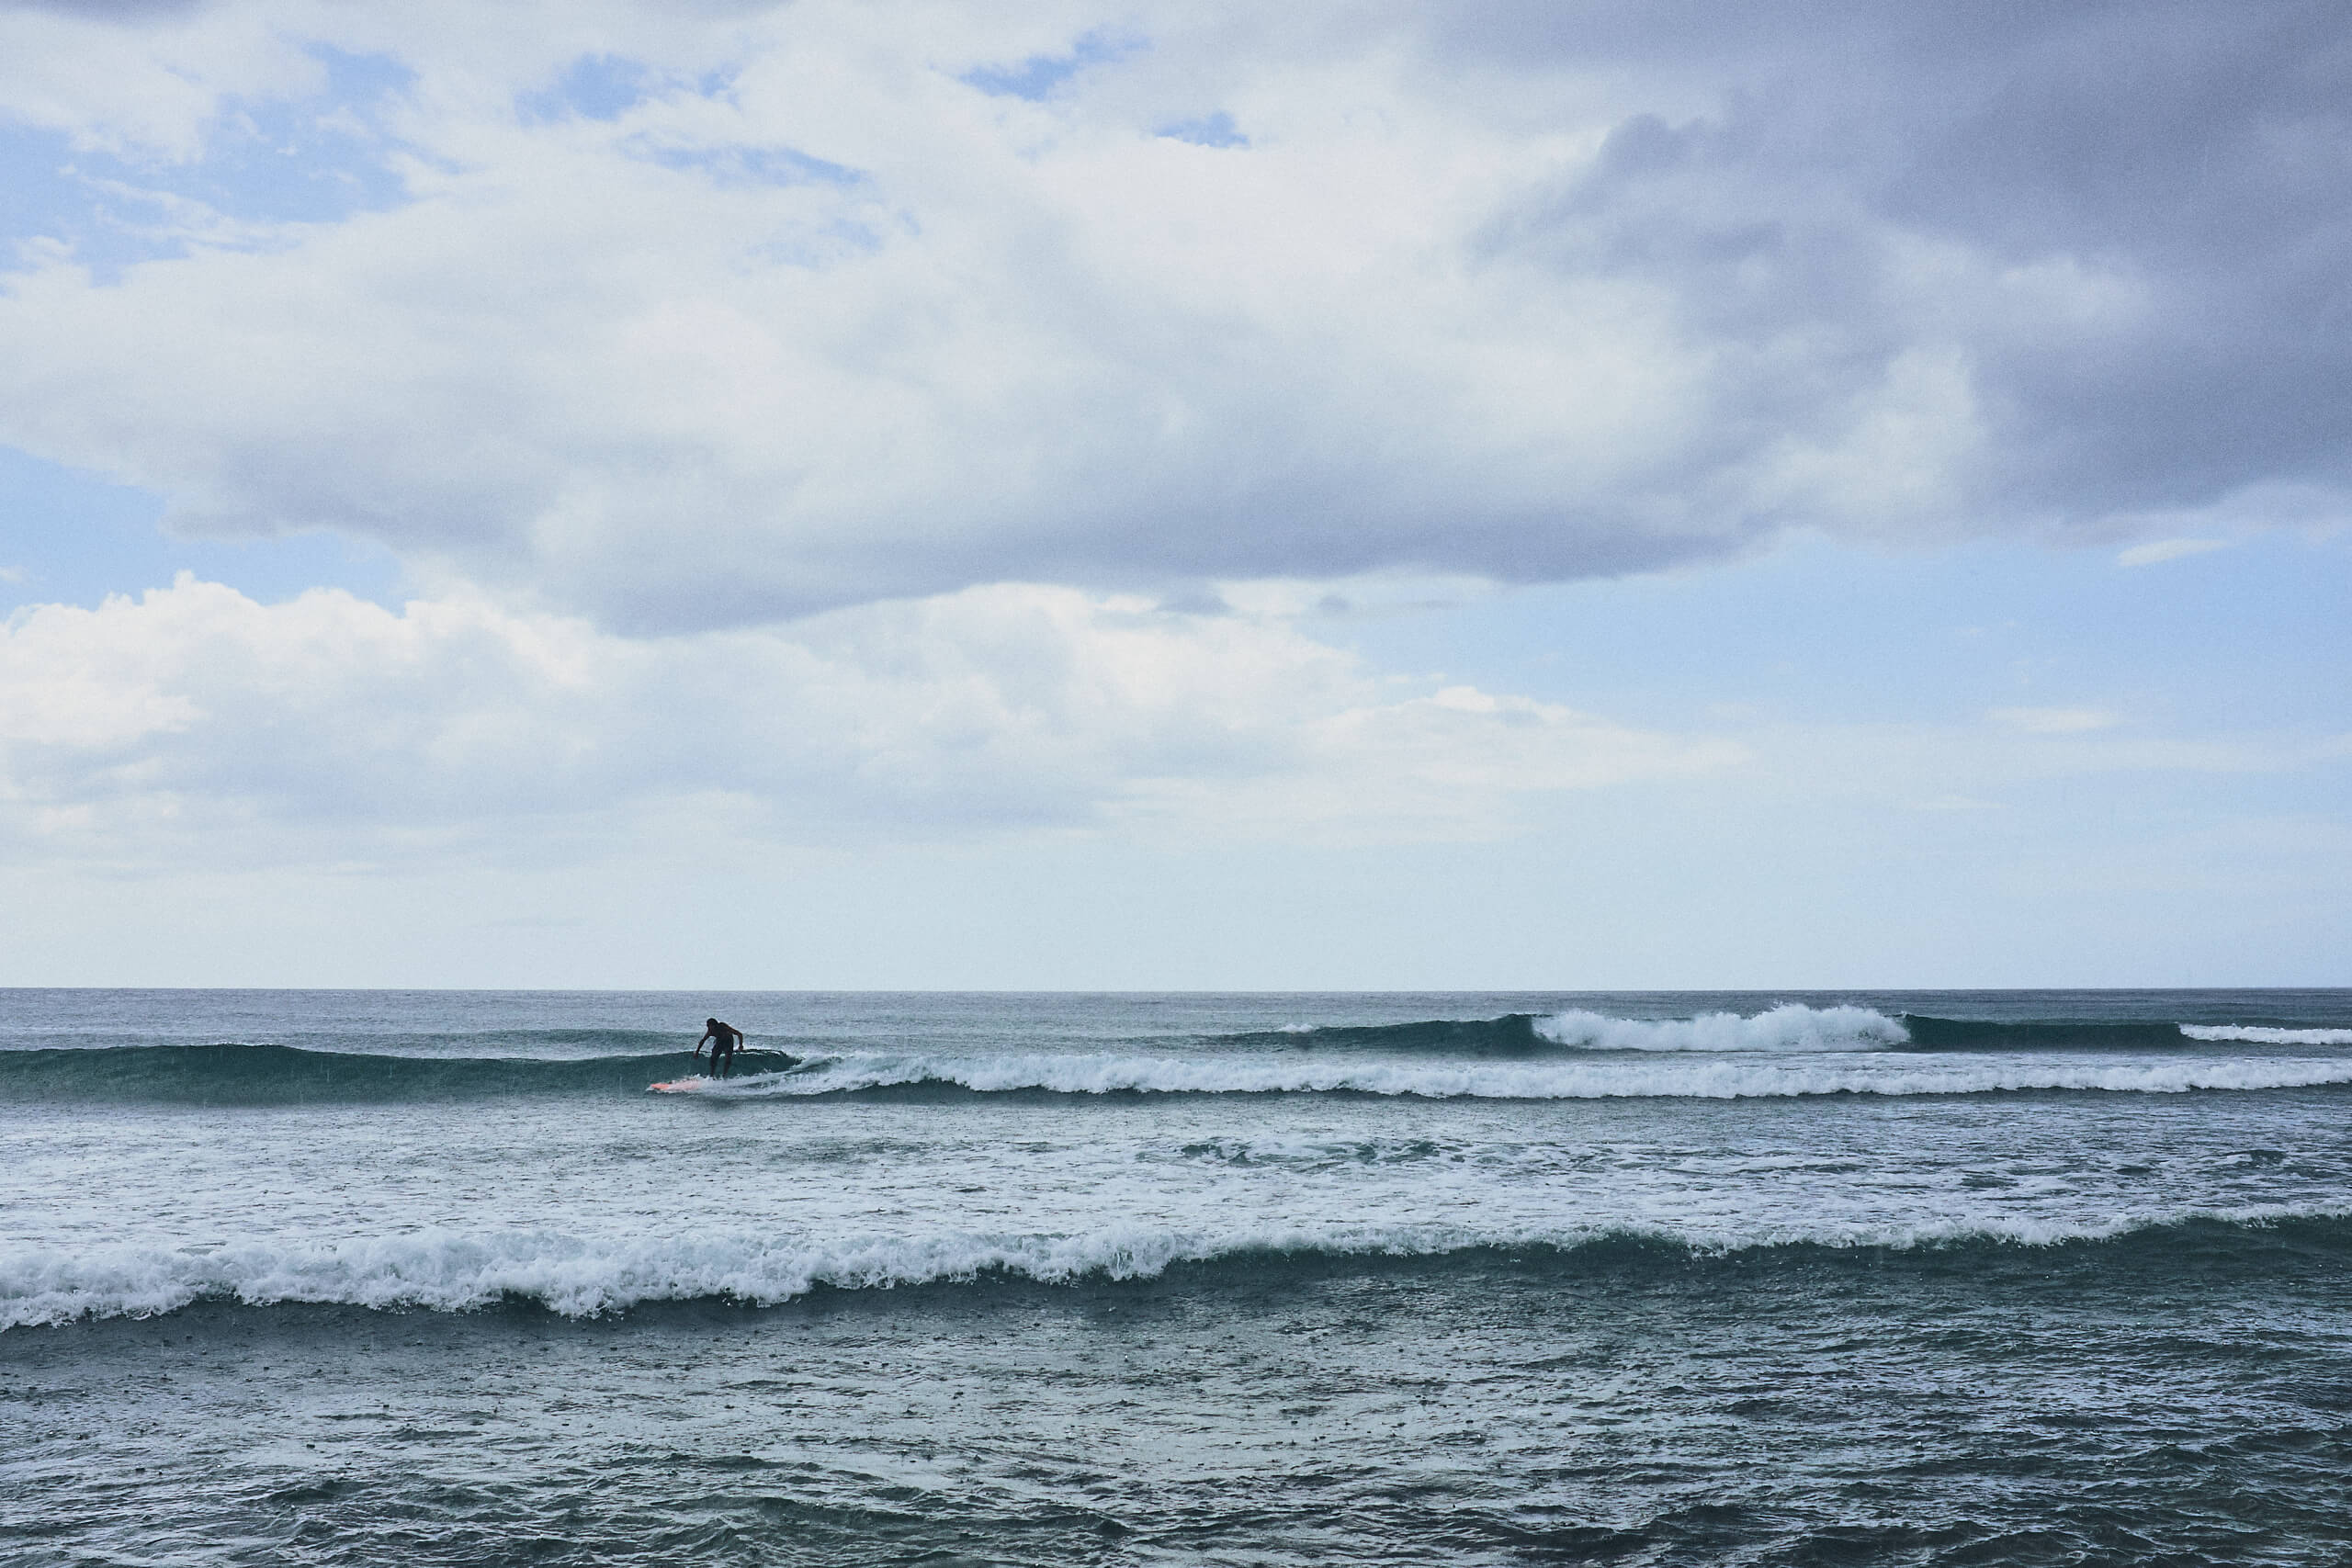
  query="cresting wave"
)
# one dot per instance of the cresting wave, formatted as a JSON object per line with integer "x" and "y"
{"x": 579, "y": 1276}
{"x": 1584, "y": 1079}
{"x": 2267, "y": 1036}
{"x": 1790, "y": 1027}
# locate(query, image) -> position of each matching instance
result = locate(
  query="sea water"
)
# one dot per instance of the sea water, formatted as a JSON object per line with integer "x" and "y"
{"x": 1922, "y": 1278}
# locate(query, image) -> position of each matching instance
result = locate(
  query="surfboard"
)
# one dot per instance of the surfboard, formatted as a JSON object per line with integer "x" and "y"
{"x": 750, "y": 1063}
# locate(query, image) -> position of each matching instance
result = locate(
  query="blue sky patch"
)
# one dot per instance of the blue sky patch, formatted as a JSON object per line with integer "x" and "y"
{"x": 1209, "y": 130}
{"x": 68, "y": 536}
{"x": 1038, "y": 76}
{"x": 737, "y": 167}
{"x": 595, "y": 86}
{"x": 314, "y": 160}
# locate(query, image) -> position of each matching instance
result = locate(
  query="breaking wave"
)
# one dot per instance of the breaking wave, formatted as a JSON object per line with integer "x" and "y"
{"x": 582, "y": 1276}
{"x": 1585, "y": 1079}
{"x": 2266, "y": 1036}
{"x": 1790, "y": 1027}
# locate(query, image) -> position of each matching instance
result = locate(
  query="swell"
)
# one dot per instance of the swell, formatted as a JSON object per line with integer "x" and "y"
{"x": 585, "y": 1042}
{"x": 284, "y": 1075}
{"x": 1930, "y": 1033}
{"x": 587, "y": 1277}
{"x": 1927, "y": 1032}
{"x": 1513, "y": 1034}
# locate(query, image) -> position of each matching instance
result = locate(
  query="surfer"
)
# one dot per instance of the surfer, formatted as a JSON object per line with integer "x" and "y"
{"x": 723, "y": 1039}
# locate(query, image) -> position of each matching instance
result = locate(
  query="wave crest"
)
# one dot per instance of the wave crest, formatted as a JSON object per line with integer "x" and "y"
{"x": 1583, "y": 1078}
{"x": 1790, "y": 1027}
{"x": 579, "y": 1276}
{"x": 2266, "y": 1036}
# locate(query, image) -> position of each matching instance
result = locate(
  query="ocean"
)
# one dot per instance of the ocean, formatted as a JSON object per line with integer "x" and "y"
{"x": 1921, "y": 1278}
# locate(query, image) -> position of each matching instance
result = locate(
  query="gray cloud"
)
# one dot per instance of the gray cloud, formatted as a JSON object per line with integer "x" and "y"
{"x": 2198, "y": 155}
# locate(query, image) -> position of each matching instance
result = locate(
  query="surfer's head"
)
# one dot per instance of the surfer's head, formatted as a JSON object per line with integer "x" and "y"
{"x": 712, "y": 1021}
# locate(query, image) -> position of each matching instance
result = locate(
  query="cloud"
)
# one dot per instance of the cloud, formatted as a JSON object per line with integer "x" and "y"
{"x": 2157, "y": 190}
{"x": 821, "y": 309}
{"x": 2052, "y": 721}
{"x": 196, "y": 721}
{"x": 2159, "y": 551}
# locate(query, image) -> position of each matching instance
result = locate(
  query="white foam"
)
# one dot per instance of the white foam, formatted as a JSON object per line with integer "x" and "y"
{"x": 2267, "y": 1036}
{"x": 447, "y": 1271}
{"x": 581, "y": 1276}
{"x": 1586, "y": 1078}
{"x": 1790, "y": 1027}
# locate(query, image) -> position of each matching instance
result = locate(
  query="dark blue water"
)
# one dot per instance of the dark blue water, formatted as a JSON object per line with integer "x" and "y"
{"x": 1872, "y": 1277}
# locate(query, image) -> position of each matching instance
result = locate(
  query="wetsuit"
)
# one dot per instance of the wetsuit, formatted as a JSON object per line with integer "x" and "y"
{"x": 723, "y": 1038}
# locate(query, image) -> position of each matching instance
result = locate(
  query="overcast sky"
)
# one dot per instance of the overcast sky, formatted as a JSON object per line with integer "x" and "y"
{"x": 1548, "y": 495}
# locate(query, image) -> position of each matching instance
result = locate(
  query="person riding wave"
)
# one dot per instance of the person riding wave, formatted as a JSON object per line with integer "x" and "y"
{"x": 723, "y": 1039}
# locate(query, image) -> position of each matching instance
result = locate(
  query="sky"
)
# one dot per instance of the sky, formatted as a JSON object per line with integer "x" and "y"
{"x": 1563, "y": 495}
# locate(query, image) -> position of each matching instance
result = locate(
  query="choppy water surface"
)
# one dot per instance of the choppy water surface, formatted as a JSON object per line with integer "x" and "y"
{"x": 1916, "y": 1277}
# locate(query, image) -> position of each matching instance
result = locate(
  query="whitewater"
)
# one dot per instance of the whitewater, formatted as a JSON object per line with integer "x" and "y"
{"x": 1646, "y": 1277}
{"x": 1719, "y": 1080}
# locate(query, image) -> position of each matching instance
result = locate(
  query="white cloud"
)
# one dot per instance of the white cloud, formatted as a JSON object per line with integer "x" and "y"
{"x": 147, "y": 728}
{"x": 149, "y": 80}
{"x": 2053, "y": 721}
{"x": 814, "y": 319}
{"x": 2160, "y": 550}
{"x": 1025, "y": 340}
